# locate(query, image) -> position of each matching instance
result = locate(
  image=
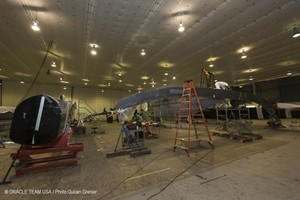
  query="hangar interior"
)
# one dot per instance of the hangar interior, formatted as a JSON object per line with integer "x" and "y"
{"x": 150, "y": 99}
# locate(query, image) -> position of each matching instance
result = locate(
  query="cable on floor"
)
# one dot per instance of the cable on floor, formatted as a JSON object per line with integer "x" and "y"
{"x": 180, "y": 175}
{"x": 117, "y": 186}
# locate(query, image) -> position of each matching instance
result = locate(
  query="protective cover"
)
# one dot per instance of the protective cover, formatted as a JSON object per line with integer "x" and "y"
{"x": 37, "y": 120}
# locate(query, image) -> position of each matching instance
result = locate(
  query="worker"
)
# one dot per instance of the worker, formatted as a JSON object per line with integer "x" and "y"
{"x": 222, "y": 85}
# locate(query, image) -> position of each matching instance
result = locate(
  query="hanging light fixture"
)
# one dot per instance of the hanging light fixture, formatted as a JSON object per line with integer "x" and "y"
{"x": 35, "y": 25}
{"x": 174, "y": 77}
{"x": 108, "y": 84}
{"x": 93, "y": 50}
{"x": 143, "y": 52}
{"x": 144, "y": 83}
{"x": 53, "y": 64}
{"x": 289, "y": 73}
{"x": 295, "y": 32}
{"x": 243, "y": 54}
{"x": 181, "y": 27}
{"x": 250, "y": 78}
{"x": 211, "y": 64}
{"x": 166, "y": 73}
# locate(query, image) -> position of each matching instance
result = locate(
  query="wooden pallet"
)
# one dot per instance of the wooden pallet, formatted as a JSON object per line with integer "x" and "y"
{"x": 243, "y": 138}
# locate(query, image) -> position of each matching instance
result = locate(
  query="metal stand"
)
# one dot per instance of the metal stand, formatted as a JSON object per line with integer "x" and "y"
{"x": 28, "y": 164}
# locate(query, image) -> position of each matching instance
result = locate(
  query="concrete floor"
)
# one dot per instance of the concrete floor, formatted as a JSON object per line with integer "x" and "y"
{"x": 262, "y": 169}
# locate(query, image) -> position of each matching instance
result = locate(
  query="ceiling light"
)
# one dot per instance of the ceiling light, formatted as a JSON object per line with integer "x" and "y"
{"x": 152, "y": 85}
{"x": 166, "y": 73}
{"x": 250, "y": 78}
{"x": 60, "y": 78}
{"x": 143, "y": 52}
{"x": 174, "y": 77}
{"x": 93, "y": 52}
{"x": 102, "y": 90}
{"x": 85, "y": 83}
{"x": 108, "y": 84}
{"x": 140, "y": 88}
{"x": 211, "y": 64}
{"x": 120, "y": 80}
{"x": 129, "y": 90}
{"x": 144, "y": 83}
{"x": 64, "y": 82}
{"x": 243, "y": 54}
{"x": 85, "y": 79}
{"x": 35, "y": 26}
{"x": 120, "y": 74}
{"x": 240, "y": 86}
{"x": 289, "y": 73}
{"x": 65, "y": 88}
{"x": 22, "y": 82}
{"x": 295, "y": 32}
{"x": 53, "y": 64}
{"x": 181, "y": 28}
{"x": 93, "y": 45}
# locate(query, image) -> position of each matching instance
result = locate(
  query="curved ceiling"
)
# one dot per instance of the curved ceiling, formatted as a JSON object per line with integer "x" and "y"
{"x": 214, "y": 29}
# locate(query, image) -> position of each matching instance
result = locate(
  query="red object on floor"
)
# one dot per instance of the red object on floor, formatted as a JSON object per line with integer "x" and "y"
{"x": 45, "y": 159}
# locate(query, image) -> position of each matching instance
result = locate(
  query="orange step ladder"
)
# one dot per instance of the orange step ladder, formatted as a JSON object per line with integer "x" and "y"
{"x": 187, "y": 111}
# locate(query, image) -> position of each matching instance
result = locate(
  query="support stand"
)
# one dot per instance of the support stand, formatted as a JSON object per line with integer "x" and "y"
{"x": 28, "y": 164}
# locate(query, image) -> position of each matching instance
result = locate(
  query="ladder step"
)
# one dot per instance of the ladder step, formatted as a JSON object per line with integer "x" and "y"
{"x": 181, "y": 147}
{"x": 186, "y": 95}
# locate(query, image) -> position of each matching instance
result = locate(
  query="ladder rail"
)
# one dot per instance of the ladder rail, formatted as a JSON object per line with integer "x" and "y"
{"x": 189, "y": 95}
